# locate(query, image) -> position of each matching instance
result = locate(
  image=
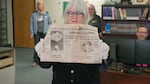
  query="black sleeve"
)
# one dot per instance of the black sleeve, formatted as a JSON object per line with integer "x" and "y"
{"x": 99, "y": 23}
{"x": 45, "y": 65}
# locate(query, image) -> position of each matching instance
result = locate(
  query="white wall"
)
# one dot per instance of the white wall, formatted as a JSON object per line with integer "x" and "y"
{"x": 55, "y": 8}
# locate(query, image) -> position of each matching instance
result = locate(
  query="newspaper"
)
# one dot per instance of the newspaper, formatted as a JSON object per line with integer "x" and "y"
{"x": 68, "y": 43}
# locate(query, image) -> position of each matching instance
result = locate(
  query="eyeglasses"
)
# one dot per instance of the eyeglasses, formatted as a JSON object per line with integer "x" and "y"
{"x": 78, "y": 14}
{"x": 142, "y": 32}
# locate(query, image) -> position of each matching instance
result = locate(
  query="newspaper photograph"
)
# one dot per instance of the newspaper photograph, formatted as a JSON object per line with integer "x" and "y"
{"x": 70, "y": 44}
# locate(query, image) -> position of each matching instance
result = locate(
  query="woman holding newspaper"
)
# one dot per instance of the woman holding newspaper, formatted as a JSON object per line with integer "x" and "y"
{"x": 76, "y": 73}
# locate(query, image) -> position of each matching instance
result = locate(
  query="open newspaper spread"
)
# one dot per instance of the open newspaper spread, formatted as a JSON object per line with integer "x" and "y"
{"x": 71, "y": 43}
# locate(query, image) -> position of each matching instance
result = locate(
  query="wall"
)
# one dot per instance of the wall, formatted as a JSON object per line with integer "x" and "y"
{"x": 55, "y": 8}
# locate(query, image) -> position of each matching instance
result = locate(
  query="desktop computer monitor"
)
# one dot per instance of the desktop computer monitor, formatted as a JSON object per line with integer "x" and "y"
{"x": 142, "y": 52}
{"x": 126, "y": 51}
{"x": 122, "y": 50}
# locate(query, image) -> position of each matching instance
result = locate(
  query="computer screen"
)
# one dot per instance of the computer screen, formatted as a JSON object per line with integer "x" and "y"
{"x": 142, "y": 52}
{"x": 124, "y": 49}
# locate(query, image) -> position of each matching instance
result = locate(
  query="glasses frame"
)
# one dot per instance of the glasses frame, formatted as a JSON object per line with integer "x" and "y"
{"x": 142, "y": 32}
{"x": 78, "y": 14}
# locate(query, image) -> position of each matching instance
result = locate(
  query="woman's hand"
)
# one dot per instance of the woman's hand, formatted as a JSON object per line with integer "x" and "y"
{"x": 31, "y": 36}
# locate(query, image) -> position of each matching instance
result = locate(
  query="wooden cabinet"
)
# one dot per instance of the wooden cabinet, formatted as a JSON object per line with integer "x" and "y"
{"x": 123, "y": 20}
{"x": 117, "y": 77}
{"x": 6, "y": 57}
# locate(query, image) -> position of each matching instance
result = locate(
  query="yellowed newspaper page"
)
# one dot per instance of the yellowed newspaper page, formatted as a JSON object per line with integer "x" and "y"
{"x": 77, "y": 43}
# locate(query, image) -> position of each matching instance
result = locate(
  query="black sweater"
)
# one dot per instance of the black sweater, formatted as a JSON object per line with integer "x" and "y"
{"x": 73, "y": 73}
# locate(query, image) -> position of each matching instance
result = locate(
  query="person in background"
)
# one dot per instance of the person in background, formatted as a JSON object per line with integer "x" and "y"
{"x": 76, "y": 73}
{"x": 39, "y": 24}
{"x": 94, "y": 19}
{"x": 142, "y": 33}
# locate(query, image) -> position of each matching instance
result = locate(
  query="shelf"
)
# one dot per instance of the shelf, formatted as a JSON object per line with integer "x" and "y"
{"x": 127, "y": 6}
{"x": 123, "y": 20}
{"x": 6, "y": 57}
{"x": 112, "y": 35}
{"x": 124, "y": 36}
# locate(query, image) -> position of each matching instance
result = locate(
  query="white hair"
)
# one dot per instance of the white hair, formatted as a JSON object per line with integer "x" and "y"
{"x": 80, "y": 6}
{"x": 40, "y": 2}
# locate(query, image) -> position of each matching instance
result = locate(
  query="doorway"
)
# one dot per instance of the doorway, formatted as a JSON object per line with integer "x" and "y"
{"x": 22, "y": 10}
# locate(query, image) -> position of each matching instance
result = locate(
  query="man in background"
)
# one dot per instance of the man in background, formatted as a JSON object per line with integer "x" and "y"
{"x": 142, "y": 33}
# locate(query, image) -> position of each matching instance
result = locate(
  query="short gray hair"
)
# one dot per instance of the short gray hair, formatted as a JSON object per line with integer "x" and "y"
{"x": 80, "y": 6}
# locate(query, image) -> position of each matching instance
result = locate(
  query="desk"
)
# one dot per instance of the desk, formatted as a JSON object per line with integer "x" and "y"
{"x": 117, "y": 77}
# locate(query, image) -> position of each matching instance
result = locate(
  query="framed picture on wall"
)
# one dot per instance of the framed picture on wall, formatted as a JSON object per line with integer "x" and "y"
{"x": 136, "y": 2}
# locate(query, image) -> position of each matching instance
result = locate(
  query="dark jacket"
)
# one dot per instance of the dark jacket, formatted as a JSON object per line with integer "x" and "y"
{"x": 96, "y": 22}
{"x": 71, "y": 73}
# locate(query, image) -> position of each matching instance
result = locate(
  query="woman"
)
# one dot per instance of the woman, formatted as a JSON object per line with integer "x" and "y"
{"x": 75, "y": 73}
{"x": 95, "y": 20}
{"x": 40, "y": 21}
